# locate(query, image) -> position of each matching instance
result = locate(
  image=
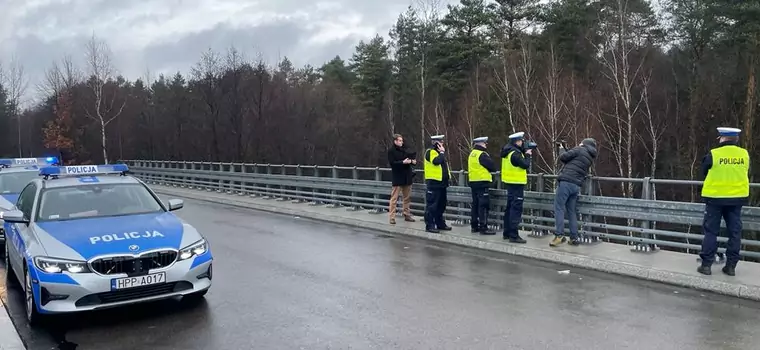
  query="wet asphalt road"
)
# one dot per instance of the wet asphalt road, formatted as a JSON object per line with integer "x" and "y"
{"x": 287, "y": 283}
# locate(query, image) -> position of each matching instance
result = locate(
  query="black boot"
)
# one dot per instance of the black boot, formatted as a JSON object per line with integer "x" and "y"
{"x": 705, "y": 270}
{"x": 729, "y": 270}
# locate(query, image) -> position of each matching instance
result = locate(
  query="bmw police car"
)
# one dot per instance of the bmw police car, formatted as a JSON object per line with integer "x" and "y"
{"x": 90, "y": 236}
{"x": 15, "y": 173}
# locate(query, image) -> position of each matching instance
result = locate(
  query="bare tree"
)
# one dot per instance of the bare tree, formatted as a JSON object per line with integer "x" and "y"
{"x": 621, "y": 40}
{"x": 60, "y": 77}
{"x": 552, "y": 124}
{"x": 16, "y": 82}
{"x": 430, "y": 12}
{"x": 101, "y": 72}
{"x": 655, "y": 125}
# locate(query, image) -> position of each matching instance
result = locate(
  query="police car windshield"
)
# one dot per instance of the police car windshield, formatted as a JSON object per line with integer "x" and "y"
{"x": 15, "y": 182}
{"x": 75, "y": 202}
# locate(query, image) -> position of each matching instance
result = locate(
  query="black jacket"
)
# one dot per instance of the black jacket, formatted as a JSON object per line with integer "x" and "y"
{"x": 707, "y": 163}
{"x": 401, "y": 173}
{"x": 486, "y": 161}
{"x": 516, "y": 159}
{"x": 578, "y": 162}
{"x": 439, "y": 160}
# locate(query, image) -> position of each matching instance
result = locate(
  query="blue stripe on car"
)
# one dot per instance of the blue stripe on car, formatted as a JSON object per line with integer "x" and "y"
{"x": 91, "y": 237}
{"x": 201, "y": 259}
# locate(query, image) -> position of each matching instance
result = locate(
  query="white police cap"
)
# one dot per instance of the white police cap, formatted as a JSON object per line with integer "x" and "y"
{"x": 437, "y": 138}
{"x": 480, "y": 139}
{"x": 517, "y": 135}
{"x": 724, "y": 131}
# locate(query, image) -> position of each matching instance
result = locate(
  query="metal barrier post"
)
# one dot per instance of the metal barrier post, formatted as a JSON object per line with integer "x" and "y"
{"x": 641, "y": 247}
{"x": 283, "y": 195}
{"x": 333, "y": 193}
{"x": 586, "y": 239}
{"x": 314, "y": 191}
{"x": 376, "y": 197}
{"x": 241, "y": 183}
{"x": 460, "y": 208}
{"x": 268, "y": 187}
{"x": 161, "y": 178}
{"x": 253, "y": 191}
{"x": 354, "y": 202}
{"x": 299, "y": 173}
{"x": 540, "y": 187}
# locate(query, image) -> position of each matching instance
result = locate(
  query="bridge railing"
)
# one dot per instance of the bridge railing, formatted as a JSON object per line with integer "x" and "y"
{"x": 644, "y": 223}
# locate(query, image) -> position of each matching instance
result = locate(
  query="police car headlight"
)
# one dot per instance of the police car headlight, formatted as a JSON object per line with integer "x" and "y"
{"x": 192, "y": 250}
{"x": 54, "y": 265}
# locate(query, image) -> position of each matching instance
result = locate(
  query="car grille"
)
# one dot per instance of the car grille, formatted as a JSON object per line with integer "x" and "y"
{"x": 133, "y": 293}
{"x": 131, "y": 265}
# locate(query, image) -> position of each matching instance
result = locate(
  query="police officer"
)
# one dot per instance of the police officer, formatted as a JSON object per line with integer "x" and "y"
{"x": 725, "y": 191}
{"x": 437, "y": 176}
{"x": 479, "y": 169}
{"x": 515, "y": 161}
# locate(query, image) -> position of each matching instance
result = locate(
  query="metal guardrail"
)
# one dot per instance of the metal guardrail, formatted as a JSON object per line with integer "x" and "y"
{"x": 644, "y": 223}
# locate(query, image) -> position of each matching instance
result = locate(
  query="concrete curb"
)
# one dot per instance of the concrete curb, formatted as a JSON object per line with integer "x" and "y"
{"x": 743, "y": 291}
{"x": 9, "y": 338}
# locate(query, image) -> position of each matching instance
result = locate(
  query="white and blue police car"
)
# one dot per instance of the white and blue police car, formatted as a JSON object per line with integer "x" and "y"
{"x": 90, "y": 236}
{"x": 15, "y": 173}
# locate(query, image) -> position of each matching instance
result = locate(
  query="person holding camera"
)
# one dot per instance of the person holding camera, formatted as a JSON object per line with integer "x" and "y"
{"x": 401, "y": 161}
{"x": 515, "y": 162}
{"x": 479, "y": 169}
{"x": 577, "y": 163}
{"x": 437, "y": 177}
{"x": 725, "y": 191}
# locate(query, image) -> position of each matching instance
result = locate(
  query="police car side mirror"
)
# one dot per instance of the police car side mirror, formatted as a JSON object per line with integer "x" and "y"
{"x": 14, "y": 216}
{"x": 175, "y": 204}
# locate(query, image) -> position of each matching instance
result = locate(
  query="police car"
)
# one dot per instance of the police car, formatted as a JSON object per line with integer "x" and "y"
{"x": 90, "y": 236}
{"x": 15, "y": 173}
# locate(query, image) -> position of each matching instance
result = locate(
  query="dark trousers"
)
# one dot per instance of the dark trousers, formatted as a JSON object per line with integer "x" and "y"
{"x": 566, "y": 199}
{"x": 513, "y": 211}
{"x": 479, "y": 209}
{"x": 711, "y": 227}
{"x": 435, "y": 206}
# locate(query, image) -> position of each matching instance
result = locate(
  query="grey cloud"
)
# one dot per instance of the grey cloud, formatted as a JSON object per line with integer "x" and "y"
{"x": 143, "y": 34}
{"x": 266, "y": 39}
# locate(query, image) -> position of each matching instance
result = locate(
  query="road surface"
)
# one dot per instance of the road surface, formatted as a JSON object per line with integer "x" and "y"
{"x": 288, "y": 283}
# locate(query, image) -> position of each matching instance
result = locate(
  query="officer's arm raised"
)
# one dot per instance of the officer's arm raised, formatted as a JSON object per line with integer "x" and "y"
{"x": 518, "y": 161}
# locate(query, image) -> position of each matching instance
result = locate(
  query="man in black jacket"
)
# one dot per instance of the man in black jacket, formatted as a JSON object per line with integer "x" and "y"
{"x": 577, "y": 163}
{"x": 401, "y": 161}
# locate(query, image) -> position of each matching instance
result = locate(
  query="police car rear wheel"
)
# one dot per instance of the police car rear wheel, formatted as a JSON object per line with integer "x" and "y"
{"x": 10, "y": 276}
{"x": 31, "y": 306}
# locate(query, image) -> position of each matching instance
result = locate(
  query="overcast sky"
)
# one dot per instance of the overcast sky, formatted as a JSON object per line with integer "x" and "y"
{"x": 170, "y": 35}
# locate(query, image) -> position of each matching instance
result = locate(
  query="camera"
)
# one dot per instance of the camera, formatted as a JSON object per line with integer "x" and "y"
{"x": 530, "y": 145}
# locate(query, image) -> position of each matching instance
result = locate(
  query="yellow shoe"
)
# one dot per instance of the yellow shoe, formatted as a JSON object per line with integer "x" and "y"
{"x": 557, "y": 241}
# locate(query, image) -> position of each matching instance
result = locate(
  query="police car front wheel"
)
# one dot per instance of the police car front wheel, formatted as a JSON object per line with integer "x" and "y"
{"x": 32, "y": 315}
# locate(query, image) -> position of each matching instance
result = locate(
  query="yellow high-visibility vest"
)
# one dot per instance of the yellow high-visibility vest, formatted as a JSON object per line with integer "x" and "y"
{"x": 511, "y": 174}
{"x": 728, "y": 177}
{"x": 476, "y": 172}
{"x": 432, "y": 171}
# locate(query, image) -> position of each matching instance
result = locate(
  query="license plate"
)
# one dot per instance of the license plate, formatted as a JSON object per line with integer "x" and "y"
{"x": 139, "y": 281}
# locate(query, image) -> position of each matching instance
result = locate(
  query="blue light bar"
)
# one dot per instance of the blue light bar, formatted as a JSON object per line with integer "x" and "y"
{"x": 80, "y": 170}
{"x": 14, "y": 162}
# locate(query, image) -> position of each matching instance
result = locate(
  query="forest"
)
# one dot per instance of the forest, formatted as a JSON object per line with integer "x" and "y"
{"x": 649, "y": 81}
